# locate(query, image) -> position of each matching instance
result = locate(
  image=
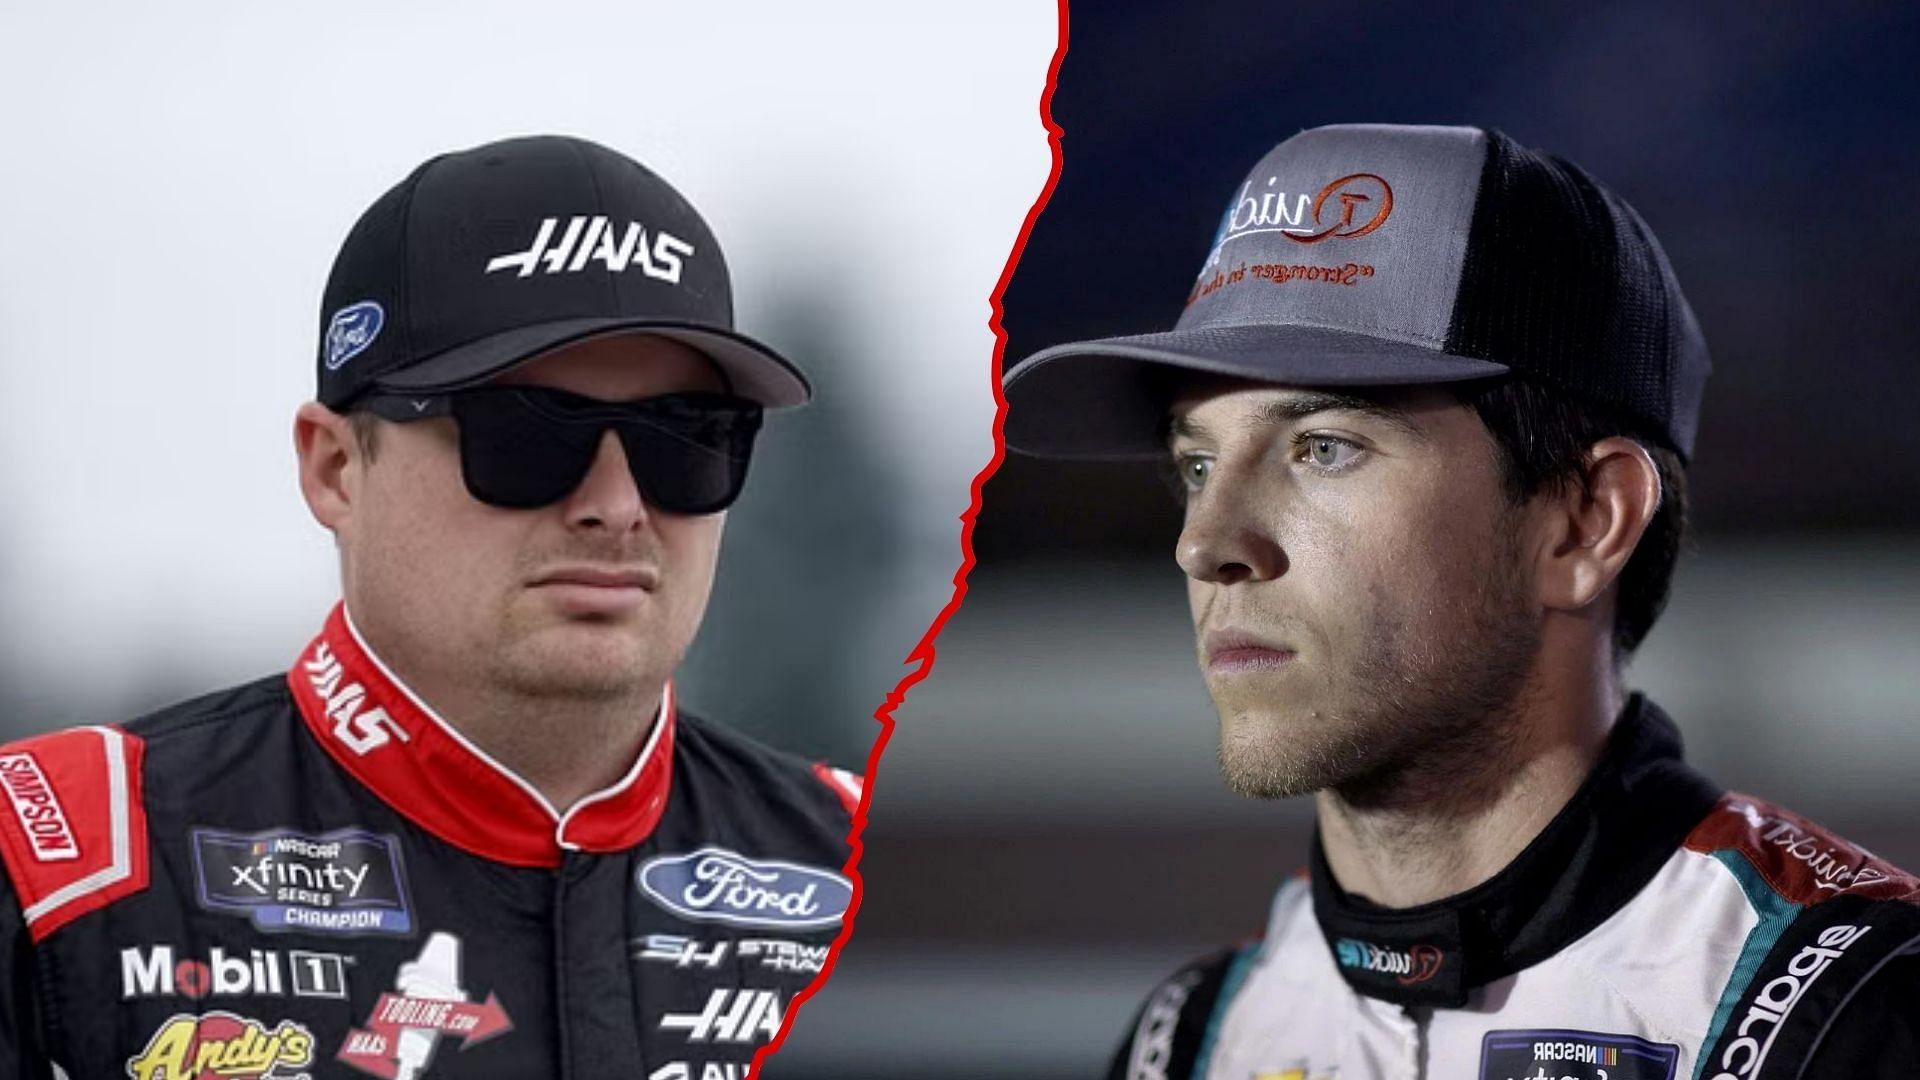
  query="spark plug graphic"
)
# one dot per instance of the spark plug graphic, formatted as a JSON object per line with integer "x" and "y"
{"x": 434, "y": 975}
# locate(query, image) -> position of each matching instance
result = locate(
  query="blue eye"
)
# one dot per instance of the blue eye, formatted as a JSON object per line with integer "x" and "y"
{"x": 1328, "y": 452}
{"x": 1193, "y": 470}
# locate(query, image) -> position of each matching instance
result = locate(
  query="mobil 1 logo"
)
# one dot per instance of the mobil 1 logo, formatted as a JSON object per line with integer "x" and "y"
{"x": 163, "y": 971}
{"x": 343, "y": 882}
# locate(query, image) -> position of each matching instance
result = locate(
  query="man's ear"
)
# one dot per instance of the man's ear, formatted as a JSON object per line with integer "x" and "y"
{"x": 330, "y": 463}
{"x": 1591, "y": 533}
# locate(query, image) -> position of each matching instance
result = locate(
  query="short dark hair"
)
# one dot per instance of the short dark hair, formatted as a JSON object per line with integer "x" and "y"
{"x": 366, "y": 431}
{"x": 1544, "y": 436}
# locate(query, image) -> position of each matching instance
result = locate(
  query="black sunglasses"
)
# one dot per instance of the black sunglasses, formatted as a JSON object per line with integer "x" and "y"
{"x": 527, "y": 446}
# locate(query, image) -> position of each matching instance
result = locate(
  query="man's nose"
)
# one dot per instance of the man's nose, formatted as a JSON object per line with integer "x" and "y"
{"x": 1225, "y": 541}
{"x": 607, "y": 496}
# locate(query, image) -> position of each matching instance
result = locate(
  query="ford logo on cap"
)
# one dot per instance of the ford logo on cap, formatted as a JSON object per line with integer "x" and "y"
{"x": 352, "y": 329}
{"x": 718, "y": 885}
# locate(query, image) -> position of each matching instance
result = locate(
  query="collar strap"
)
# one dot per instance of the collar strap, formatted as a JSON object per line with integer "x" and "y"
{"x": 391, "y": 741}
{"x": 1624, "y": 822}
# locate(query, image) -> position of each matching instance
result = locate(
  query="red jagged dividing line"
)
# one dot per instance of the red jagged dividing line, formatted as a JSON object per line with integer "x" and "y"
{"x": 921, "y": 658}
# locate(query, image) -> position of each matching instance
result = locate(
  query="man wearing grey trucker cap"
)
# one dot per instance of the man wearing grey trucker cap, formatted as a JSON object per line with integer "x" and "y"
{"x": 1429, "y": 409}
{"x": 469, "y": 832}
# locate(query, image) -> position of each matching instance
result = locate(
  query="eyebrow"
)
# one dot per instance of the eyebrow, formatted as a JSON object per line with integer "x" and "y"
{"x": 1297, "y": 407}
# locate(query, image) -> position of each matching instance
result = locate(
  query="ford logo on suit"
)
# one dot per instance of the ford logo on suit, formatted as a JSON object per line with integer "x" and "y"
{"x": 719, "y": 885}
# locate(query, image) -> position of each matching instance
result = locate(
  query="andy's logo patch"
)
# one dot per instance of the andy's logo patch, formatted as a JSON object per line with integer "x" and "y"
{"x": 222, "y": 1046}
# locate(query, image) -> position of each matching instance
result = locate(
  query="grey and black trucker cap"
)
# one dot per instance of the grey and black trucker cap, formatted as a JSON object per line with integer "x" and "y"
{"x": 483, "y": 259}
{"x": 1377, "y": 254}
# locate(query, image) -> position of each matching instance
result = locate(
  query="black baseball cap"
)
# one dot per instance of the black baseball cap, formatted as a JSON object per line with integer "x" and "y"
{"x": 1378, "y": 255}
{"x": 483, "y": 259}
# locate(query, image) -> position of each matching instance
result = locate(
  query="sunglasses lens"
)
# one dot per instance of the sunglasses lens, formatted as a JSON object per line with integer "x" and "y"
{"x": 689, "y": 468}
{"x": 526, "y": 447}
{"x": 514, "y": 457}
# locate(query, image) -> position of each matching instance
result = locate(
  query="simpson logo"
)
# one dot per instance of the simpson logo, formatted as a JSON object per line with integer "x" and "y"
{"x": 730, "y": 1016}
{"x": 37, "y": 809}
{"x": 344, "y": 882}
{"x": 1770, "y": 1007}
{"x": 351, "y": 330}
{"x": 81, "y": 849}
{"x": 154, "y": 972}
{"x": 1575, "y": 1055}
{"x": 592, "y": 239}
{"x": 1417, "y": 965}
{"x": 718, "y": 885}
{"x": 222, "y": 1046}
{"x": 401, "y": 1034}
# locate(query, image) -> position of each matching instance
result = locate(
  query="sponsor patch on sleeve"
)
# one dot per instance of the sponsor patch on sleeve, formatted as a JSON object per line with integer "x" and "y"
{"x": 74, "y": 834}
{"x": 1580, "y": 1055}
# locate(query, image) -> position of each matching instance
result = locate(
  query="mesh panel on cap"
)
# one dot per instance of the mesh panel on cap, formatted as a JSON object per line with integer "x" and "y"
{"x": 1565, "y": 283}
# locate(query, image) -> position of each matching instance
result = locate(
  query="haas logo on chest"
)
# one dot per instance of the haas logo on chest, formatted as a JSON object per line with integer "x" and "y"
{"x": 717, "y": 885}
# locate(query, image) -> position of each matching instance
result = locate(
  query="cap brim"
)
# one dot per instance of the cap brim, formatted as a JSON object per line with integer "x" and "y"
{"x": 1105, "y": 399}
{"x": 755, "y": 371}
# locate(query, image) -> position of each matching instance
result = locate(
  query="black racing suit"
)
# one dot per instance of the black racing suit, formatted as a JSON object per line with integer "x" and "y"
{"x": 313, "y": 875}
{"x": 1658, "y": 927}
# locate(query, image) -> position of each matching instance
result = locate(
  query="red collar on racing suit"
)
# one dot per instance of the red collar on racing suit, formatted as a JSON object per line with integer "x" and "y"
{"x": 399, "y": 748}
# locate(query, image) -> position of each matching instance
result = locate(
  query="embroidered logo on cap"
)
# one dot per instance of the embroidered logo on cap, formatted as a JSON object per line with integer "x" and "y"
{"x": 661, "y": 261}
{"x": 351, "y": 330}
{"x": 1345, "y": 209}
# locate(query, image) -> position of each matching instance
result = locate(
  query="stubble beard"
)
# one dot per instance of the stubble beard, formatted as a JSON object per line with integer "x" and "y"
{"x": 1426, "y": 710}
{"x": 555, "y": 664}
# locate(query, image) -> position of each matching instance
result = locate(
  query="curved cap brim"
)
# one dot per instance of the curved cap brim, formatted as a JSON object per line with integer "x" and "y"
{"x": 1105, "y": 399}
{"x": 755, "y": 371}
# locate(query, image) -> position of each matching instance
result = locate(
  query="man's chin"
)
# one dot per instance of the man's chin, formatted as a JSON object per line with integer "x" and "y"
{"x": 581, "y": 658}
{"x": 1270, "y": 754}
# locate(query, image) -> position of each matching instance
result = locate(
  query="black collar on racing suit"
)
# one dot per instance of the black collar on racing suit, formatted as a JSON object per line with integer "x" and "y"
{"x": 1625, "y": 821}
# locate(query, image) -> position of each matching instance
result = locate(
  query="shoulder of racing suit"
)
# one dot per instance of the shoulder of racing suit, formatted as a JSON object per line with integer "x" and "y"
{"x": 1827, "y": 983}
{"x": 1828, "y": 972}
{"x": 707, "y": 753}
{"x": 75, "y": 839}
{"x": 1752, "y": 940}
{"x": 1173, "y": 1030}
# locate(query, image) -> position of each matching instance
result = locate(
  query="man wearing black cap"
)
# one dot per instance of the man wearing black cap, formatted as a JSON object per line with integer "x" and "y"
{"x": 469, "y": 833}
{"x": 1429, "y": 408}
